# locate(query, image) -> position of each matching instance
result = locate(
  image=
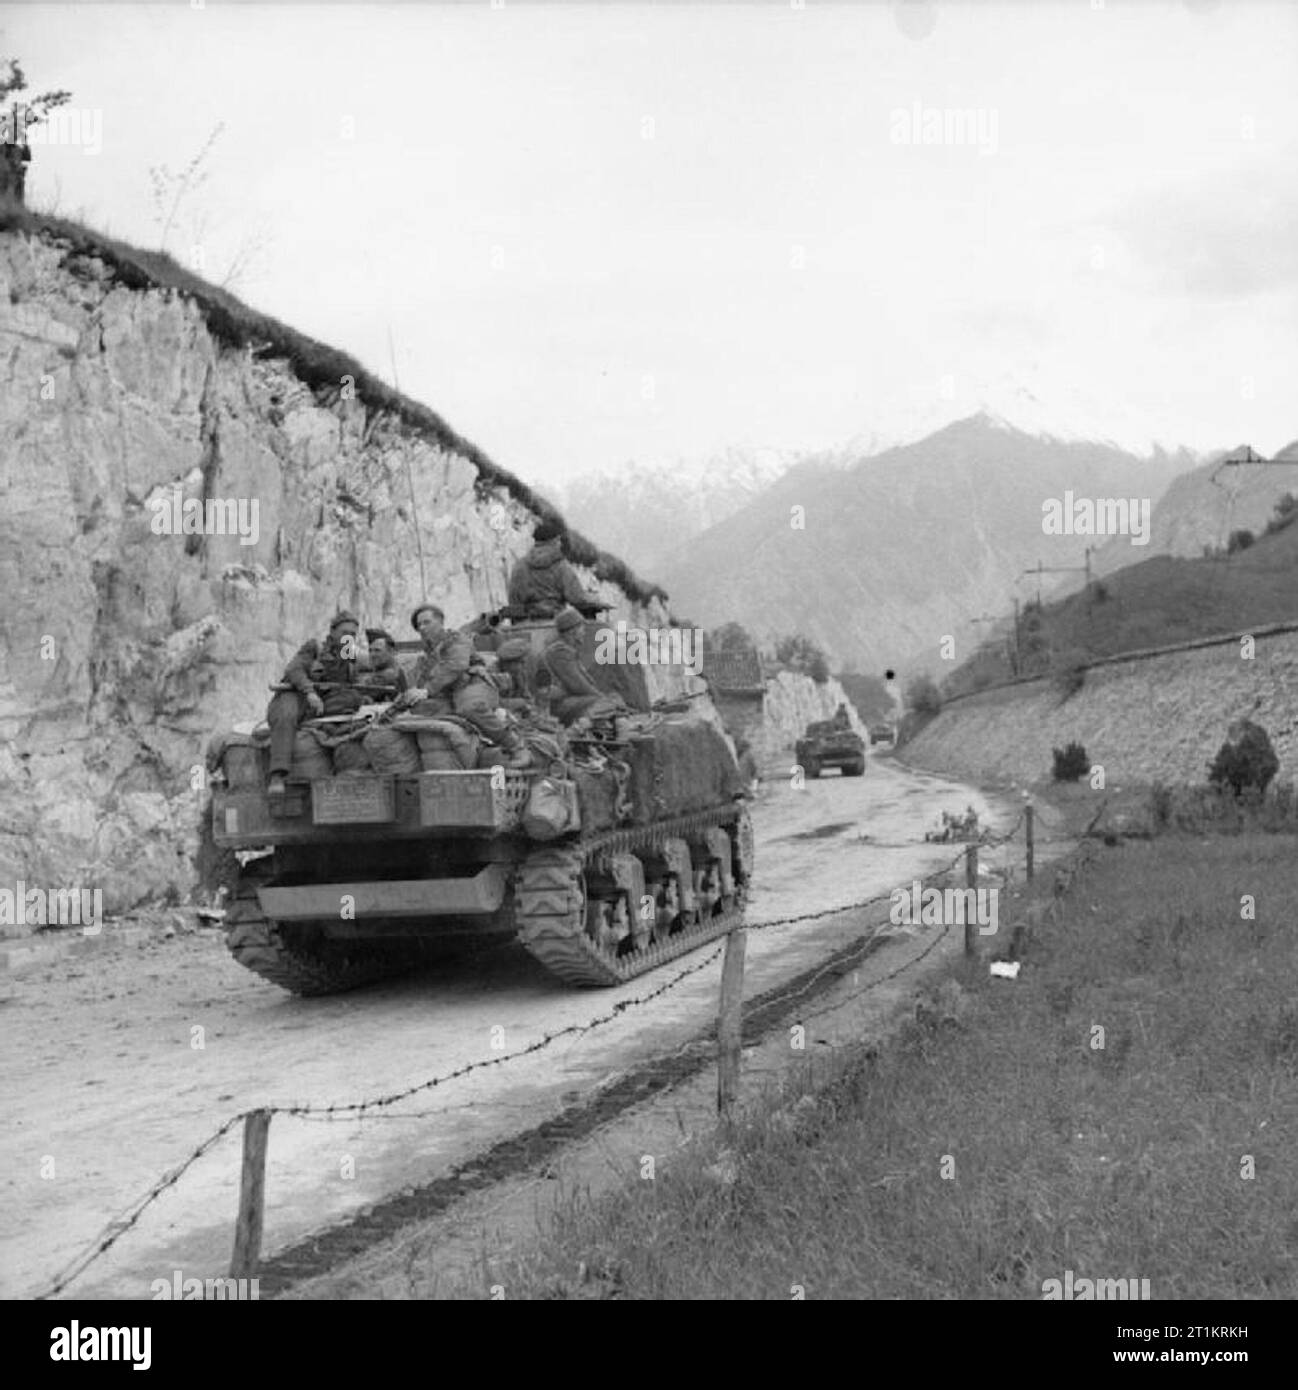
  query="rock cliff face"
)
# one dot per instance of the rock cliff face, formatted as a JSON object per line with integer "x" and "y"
{"x": 123, "y": 647}
{"x": 1162, "y": 718}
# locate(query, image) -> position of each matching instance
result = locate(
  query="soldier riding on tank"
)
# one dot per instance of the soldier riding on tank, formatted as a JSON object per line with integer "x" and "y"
{"x": 574, "y": 695}
{"x": 386, "y": 678}
{"x": 443, "y": 684}
{"x": 542, "y": 582}
{"x": 324, "y": 679}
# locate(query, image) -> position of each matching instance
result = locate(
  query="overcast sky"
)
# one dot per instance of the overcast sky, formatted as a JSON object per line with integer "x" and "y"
{"x": 649, "y": 232}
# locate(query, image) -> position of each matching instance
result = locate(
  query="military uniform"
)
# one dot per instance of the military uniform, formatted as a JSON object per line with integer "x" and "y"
{"x": 458, "y": 686}
{"x": 389, "y": 677}
{"x": 441, "y": 670}
{"x": 314, "y": 663}
{"x": 543, "y": 582}
{"x": 574, "y": 693}
{"x": 518, "y": 697}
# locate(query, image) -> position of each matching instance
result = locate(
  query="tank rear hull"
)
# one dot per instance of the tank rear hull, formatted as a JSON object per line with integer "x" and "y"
{"x": 347, "y": 879}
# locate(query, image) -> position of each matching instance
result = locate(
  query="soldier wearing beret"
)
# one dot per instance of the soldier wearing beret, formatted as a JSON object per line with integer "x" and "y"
{"x": 443, "y": 663}
{"x": 443, "y": 672}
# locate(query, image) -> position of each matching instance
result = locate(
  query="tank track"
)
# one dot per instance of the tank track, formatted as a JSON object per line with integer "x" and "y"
{"x": 259, "y": 945}
{"x": 550, "y": 902}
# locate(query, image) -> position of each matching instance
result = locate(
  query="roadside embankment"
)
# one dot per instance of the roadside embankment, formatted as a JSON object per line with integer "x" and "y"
{"x": 1144, "y": 718}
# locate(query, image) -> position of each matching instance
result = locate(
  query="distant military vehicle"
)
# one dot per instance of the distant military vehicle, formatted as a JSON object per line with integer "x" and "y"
{"x": 831, "y": 743}
{"x": 882, "y": 733}
{"x": 615, "y": 854}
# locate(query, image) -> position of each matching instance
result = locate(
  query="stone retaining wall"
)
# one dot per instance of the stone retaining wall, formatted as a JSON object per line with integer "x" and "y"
{"x": 1160, "y": 717}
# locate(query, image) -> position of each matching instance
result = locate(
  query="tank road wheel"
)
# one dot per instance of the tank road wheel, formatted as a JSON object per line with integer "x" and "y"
{"x": 643, "y": 924}
{"x": 714, "y": 879}
{"x": 670, "y": 872}
{"x": 598, "y": 926}
{"x": 811, "y": 767}
{"x": 667, "y": 904}
{"x": 608, "y": 923}
{"x": 579, "y": 913}
{"x": 629, "y": 938}
{"x": 855, "y": 768}
{"x": 707, "y": 890}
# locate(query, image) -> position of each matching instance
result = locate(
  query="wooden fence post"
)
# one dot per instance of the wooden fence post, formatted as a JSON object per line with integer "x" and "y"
{"x": 730, "y": 1022}
{"x": 1029, "y": 812}
{"x": 252, "y": 1192}
{"x": 970, "y": 913}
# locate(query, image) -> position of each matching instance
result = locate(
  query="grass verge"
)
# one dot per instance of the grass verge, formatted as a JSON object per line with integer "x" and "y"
{"x": 1002, "y": 1140}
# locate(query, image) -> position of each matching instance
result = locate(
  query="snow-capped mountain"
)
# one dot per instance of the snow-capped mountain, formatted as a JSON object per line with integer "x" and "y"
{"x": 920, "y": 523}
{"x": 883, "y": 559}
{"x": 1066, "y": 415}
{"x": 642, "y": 511}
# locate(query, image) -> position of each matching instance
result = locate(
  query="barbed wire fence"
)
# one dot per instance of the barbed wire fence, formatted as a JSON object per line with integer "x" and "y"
{"x": 256, "y": 1120}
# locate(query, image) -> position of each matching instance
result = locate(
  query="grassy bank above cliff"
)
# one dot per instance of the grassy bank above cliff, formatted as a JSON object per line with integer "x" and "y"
{"x": 325, "y": 369}
{"x": 1155, "y": 603}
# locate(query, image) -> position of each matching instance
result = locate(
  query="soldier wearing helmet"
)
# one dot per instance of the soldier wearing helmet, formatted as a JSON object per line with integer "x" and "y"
{"x": 575, "y": 694}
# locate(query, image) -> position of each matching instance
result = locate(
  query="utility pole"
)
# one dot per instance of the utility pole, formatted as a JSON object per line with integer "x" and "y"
{"x": 1239, "y": 458}
{"x": 1039, "y": 569}
{"x": 1012, "y": 649}
{"x": 1287, "y": 458}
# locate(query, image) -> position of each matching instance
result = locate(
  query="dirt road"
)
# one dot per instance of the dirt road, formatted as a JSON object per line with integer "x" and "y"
{"x": 118, "y": 1063}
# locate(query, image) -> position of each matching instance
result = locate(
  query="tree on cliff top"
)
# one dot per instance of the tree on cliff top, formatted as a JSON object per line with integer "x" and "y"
{"x": 22, "y": 113}
{"x": 16, "y": 118}
{"x": 732, "y": 637}
{"x": 799, "y": 653}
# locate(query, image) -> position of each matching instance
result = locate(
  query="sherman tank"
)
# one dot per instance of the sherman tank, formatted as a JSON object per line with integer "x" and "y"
{"x": 625, "y": 845}
{"x": 828, "y": 743}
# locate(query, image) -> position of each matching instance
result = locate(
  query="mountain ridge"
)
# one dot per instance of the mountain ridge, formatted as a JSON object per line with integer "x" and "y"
{"x": 909, "y": 545}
